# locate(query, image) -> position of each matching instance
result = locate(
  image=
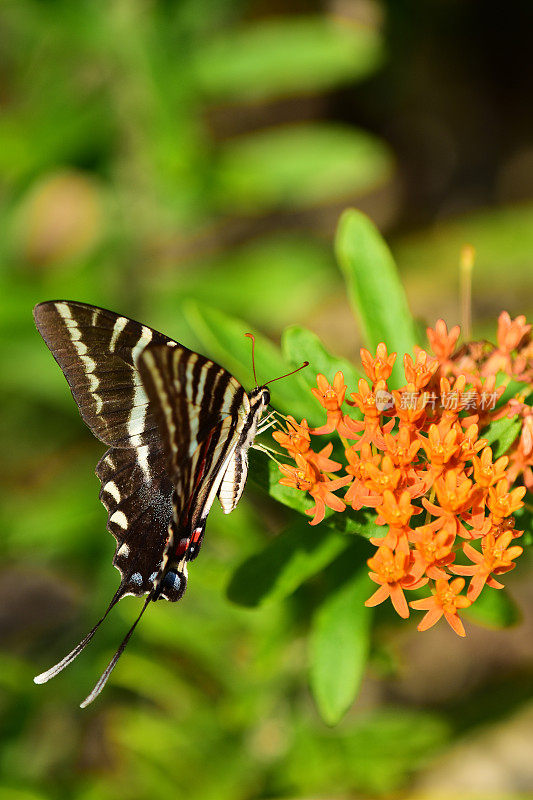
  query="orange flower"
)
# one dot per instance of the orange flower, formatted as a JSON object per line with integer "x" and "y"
{"x": 358, "y": 495}
{"x": 395, "y": 512}
{"x": 395, "y": 538}
{"x": 440, "y": 446}
{"x": 434, "y": 549}
{"x": 394, "y": 572}
{"x": 358, "y": 463}
{"x": 302, "y": 476}
{"x": 511, "y": 331}
{"x": 365, "y": 399}
{"x": 402, "y": 448}
{"x": 468, "y": 441}
{"x": 453, "y": 491}
{"x": 307, "y": 478}
{"x": 417, "y": 448}
{"x": 447, "y": 600}
{"x": 510, "y": 335}
{"x": 451, "y": 397}
{"x": 443, "y": 343}
{"x": 370, "y": 403}
{"x": 296, "y": 438}
{"x": 387, "y": 476}
{"x": 421, "y": 371}
{"x": 410, "y": 405}
{"x": 485, "y": 472}
{"x": 503, "y": 503}
{"x": 322, "y": 494}
{"x": 496, "y": 557}
{"x": 331, "y": 397}
{"x": 380, "y": 367}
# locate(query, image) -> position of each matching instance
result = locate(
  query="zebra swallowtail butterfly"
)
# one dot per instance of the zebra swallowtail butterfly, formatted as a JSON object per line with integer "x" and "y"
{"x": 178, "y": 427}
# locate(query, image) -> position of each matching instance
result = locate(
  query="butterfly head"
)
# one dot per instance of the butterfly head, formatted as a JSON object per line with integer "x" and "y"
{"x": 260, "y": 396}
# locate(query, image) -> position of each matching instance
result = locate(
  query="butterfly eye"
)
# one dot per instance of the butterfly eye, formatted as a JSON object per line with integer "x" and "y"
{"x": 266, "y": 397}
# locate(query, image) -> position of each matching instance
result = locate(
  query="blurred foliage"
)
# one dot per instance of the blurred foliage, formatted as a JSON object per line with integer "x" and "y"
{"x": 185, "y": 163}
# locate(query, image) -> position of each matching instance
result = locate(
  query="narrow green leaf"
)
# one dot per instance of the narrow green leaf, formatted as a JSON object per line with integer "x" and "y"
{"x": 284, "y": 564}
{"x": 374, "y": 288}
{"x": 300, "y": 344}
{"x": 298, "y": 166}
{"x": 224, "y": 340}
{"x": 494, "y": 608}
{"x": 512, "y": 389}
{"x": 339, "y": 647}
{"x": 501, "y": 433}
{"x": 276, "y": 57}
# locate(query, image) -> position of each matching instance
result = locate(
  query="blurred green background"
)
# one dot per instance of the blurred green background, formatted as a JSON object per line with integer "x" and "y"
{"x": 159, "y": 158}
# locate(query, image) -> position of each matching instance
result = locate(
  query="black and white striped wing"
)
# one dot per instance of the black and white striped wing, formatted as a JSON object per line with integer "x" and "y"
{"x": 201, "y": 409}
{"x": 97, "y": 351}
{"x": 173, "y": 420}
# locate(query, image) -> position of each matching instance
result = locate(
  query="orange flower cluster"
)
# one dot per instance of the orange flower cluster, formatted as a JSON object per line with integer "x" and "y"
{"x": 416, "y": 456}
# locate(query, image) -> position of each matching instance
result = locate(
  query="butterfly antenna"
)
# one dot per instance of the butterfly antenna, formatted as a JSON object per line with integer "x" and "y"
{"x": 57, "y": 668}
{"x": 305, "y": 364}
{"x": 111, "y": 666}
{"x": 252, "y": 337}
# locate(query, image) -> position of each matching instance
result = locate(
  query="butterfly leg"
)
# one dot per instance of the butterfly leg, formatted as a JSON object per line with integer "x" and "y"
{"x": 268, "y": 451}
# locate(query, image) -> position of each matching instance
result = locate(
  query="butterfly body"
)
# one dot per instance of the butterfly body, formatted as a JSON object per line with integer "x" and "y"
{"x": 178, "y": 427}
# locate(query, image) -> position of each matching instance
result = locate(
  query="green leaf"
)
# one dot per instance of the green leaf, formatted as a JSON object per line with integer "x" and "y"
{"x": 284, "y": 564}
{"x": 512, "y": 389}
{"x": 501, "y": 433}
{"x": 276, "y": 57}
{"x": 374, "y": 288}
{"x": 339, "y": 647}
{"x": 13, "y": 793}
{"x": 265, "y": 474}
{"x": 299, "y": 166}
{"x": 300, "y": 344}
{"x": 224, "y": 340}
{"x": 494, "y": 608}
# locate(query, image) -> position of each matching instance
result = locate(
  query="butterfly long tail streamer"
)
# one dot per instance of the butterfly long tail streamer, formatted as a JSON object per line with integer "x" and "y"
{"x": 111, "y": 666}
{"x": 57, "y": 668}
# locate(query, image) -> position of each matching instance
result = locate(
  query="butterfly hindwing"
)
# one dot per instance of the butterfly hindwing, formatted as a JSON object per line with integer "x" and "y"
{"x": 139, "y": 512}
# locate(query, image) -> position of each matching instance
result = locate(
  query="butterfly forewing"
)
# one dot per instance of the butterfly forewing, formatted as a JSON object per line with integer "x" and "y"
{"x": 97, "y": 351}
